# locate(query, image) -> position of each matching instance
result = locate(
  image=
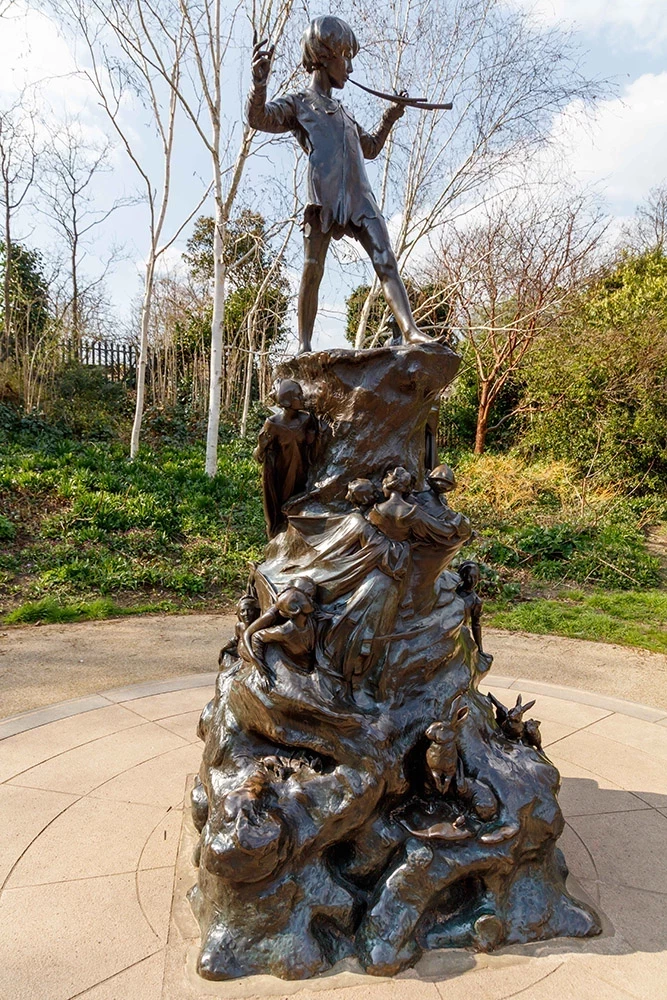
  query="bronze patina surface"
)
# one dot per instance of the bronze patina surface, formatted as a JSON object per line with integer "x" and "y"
{"x": 357, "y": 795}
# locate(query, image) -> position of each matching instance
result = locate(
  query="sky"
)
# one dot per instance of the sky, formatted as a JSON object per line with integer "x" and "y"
{"x": 621, "y": 151}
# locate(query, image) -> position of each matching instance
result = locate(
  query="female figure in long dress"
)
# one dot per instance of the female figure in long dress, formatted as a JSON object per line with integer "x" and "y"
{"x": 433, "y": 540}
{"x": 360, "y": 575}
{"x": 284, "y": 447}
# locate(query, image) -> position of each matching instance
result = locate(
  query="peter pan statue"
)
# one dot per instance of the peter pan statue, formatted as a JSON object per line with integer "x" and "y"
{"x": 340, "y": 200}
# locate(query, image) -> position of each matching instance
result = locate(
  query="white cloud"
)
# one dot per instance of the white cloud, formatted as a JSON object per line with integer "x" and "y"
{"x": 641, "y": 23}
{"x": 624, "y": 148}
{"x": 34, "y": 53}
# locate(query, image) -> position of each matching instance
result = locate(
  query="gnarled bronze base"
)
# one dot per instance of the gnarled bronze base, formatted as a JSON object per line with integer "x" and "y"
{"x": 358, "y": 795}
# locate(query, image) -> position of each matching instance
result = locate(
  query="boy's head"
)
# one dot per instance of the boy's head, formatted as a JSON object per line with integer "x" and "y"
{"x": 469, "y": 573}
{"x": 398, "y": 480}
{"x": 288, "y": 394}
{"x": 327, "y": 40}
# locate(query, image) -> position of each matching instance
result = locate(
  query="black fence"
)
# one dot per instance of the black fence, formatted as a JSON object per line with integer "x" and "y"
{"x": 118, "y": 358}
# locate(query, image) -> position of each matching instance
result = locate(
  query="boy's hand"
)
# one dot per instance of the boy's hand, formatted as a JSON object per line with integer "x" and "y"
{"x": 395, "y": 111}
{"x": 399, "y": 109}
{"x": 261, "y": 59}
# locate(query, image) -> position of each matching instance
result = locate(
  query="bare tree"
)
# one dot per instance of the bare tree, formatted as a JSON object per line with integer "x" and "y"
{"x": 210, "y": 33}
{"x": 509, "y": 277}
{"x": 651, "y": 220}
{"x": 207, "y": 30}
{"x": 70, "y": 171}
{"x": 17, "y": 173}
{"x": 128, "y": 52}
{"x": 507, "y": 79}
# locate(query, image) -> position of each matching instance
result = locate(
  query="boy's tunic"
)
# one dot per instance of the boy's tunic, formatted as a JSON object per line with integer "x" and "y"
{"x": 338, "y": 187}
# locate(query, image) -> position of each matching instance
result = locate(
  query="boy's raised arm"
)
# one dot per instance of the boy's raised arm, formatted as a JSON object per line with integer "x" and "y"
{"x": 276, "y": 116}
{"x": 371, "y": 144}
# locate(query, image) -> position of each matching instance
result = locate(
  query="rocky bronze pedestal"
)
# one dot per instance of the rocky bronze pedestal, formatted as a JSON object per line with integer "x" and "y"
{"x": 358, "y": 796}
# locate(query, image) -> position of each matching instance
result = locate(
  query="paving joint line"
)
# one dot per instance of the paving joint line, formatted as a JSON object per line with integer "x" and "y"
{"x": 36, "y": 837}
{"x": 579, "y": 730}
{"x": 106, "y": 780}
{"x": 133, "y": 965}
{"x": 586, "y": 848}
{"x": 86, "y": 878}
{"x": 76, "y": 746}
{"x": 612, "y": 812}
{"x": 532, "y": 986}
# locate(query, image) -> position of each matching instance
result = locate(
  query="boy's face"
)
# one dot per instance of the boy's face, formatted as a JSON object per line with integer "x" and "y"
{"x": 339, "y": 69}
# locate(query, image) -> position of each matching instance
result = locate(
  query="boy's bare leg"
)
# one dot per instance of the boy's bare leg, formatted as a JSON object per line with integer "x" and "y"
{"x": 315, "y": 246}
{"x": 374, "y": 238}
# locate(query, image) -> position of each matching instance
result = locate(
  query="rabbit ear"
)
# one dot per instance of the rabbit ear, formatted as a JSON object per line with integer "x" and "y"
{"x": 453, "y": 710}
{"x": 529, "y": 705}
{"x": 462, "y": 714}
{"x": 518, "y": 701}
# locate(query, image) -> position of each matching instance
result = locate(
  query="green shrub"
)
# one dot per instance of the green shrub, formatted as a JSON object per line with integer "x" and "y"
{"x": 531, "y": 519}
{"x": 87, "y": 404}
{"x": 96, "y": 523}
{"x": 7, "y": 529}
{"x": 50, "y": 610}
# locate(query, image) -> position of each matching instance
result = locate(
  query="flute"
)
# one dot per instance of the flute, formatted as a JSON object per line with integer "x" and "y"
{"x": 410, "y": 102}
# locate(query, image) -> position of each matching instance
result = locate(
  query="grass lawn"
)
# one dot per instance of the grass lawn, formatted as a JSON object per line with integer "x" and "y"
{"x": 84, "y": 533}
{"x": 628, "y": 618}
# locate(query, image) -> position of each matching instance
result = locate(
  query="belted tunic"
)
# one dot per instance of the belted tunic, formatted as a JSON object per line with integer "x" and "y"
{"x": 336, "y": 146}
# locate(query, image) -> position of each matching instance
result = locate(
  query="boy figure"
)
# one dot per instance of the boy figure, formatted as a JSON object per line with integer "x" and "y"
{"x": 340, "y": 200}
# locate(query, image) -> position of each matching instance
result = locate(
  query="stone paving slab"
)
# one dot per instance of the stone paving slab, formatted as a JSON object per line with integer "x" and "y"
{"x": 91, "y": 817}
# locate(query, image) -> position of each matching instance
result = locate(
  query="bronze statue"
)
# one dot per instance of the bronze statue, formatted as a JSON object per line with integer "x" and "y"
{"x": 477, "y": 794}
{"x": 247, "y": 610}
{"x": 357, "y": 797}
{"x": 283, "y": 449}
{"x": 469, "y": 573}
{"x": 442, "y": 754}
{"x": 442, "y": 481}
{"x": 513, "y": 725}
{"x": 288, "y": 623}
{"x": 340, "y": 199}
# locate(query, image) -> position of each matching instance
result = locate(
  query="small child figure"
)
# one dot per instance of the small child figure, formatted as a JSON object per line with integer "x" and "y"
{"x": 288, "y": 623}
{"x": 340, "y": 199}
{"x": 442, "y": 481}
{"x": 247, "y": 610}
{"x": 469, "y": 573}
{"x": 284, "y": 451}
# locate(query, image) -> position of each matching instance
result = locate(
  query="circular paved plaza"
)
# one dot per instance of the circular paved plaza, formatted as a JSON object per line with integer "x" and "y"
{"x": 95, "y": 857}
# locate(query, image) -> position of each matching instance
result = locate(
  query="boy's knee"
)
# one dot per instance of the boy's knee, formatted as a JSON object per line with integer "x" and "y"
{"x": 385, "y": 264}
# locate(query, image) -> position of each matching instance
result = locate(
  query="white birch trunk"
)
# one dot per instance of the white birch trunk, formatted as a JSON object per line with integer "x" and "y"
{"x": 143, "y": 357}
{"x": 217, "y": 321}
{"x": 369, "y": 302}
{"x": 247, "y": 390}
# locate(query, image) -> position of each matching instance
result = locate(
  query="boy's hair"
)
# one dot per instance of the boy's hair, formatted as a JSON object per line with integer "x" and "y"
{"x": 324, "y": 38}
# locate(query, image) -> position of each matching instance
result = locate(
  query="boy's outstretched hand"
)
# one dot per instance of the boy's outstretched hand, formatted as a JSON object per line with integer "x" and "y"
{"x": 261, "y": 59}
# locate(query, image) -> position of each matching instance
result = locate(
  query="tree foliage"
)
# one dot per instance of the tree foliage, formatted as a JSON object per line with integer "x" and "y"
{"x": 596, "y": 389}
{"x": 247, "y": 255}
{"x": 430, "y": 305}
{"x": 28, "y": 297}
